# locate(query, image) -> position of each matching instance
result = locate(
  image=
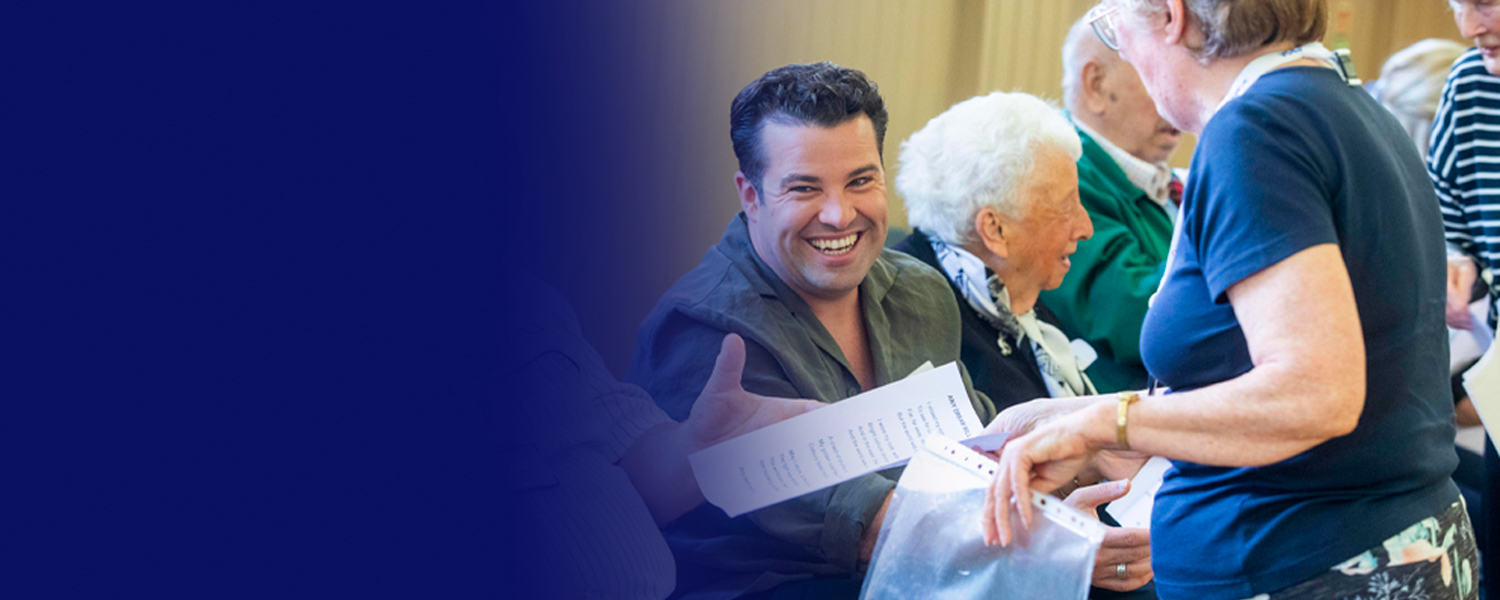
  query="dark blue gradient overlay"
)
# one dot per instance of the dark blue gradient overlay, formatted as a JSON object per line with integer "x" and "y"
{"x": 256, "y": 259}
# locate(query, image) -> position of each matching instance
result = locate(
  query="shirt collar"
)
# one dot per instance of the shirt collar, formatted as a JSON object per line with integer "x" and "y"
{"x": 1154, "y": 179}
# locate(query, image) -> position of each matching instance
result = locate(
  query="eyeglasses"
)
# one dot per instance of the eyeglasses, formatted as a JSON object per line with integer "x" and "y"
{"x": 1102, "y": 19}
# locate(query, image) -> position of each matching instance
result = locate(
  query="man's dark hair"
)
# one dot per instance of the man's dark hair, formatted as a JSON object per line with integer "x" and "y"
{"x": 822, "y": 94}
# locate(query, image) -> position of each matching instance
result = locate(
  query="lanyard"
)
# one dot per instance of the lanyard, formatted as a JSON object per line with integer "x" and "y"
{"x": 1338, "y": 61}
{"x": 1248, "y": 76}
{"x": 1265, "y": 64}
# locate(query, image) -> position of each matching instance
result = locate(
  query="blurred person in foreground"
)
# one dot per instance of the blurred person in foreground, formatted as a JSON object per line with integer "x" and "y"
{"x": 1132, "y": 197}
{"x": 592, "y": 465}
{"x": 992, "y": 195}
{"x": 1299, "y": 327}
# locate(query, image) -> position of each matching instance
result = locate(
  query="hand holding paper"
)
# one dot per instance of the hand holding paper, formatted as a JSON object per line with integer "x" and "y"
{"x": 876, "y": 430}
{"x": 930, "y": 548}
{"x": 1044, "y": 459}
{"x": 657, "y": 463}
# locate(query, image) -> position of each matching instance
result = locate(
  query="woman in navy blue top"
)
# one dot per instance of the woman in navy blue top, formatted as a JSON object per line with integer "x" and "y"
{"x": 1300, "y": 328}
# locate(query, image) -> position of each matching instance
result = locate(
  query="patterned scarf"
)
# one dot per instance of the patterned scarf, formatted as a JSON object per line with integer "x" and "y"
{"x": 987, "y": 295}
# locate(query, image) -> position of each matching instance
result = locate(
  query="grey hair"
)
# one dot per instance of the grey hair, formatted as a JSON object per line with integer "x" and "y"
{"x": 1411, "y": 84}
{"x": 979, "y": 153}
{"x": 1234, "y": 28}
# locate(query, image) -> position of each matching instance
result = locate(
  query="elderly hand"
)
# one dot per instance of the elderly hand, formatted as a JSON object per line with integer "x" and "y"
{"x": 1122, "y": 546}
{"x": 1461, "y": 276}
{"x": 1117, "y": 464}
{"x": 1022, "y": 418}
{"x": 725, "y": 410}
{"x": 1044, "y": 459}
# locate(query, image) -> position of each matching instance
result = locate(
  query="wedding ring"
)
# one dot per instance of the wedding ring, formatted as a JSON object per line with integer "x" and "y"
{"x": 1120, "y": 571}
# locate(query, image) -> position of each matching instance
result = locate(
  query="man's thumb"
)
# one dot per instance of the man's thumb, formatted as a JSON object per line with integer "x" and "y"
{"x": 1088, "y": 498}
{"x": 730, "y": 365}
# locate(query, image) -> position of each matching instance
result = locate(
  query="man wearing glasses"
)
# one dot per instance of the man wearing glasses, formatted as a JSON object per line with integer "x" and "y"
{"x": 1131, "y": 196}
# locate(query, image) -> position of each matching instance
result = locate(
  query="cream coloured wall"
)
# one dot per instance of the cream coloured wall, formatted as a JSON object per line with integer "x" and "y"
{"x": 925, "y": 54}
{"x": 921, "y": 53}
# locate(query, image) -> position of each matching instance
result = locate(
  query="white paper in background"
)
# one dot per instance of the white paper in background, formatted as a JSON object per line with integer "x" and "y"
{"x": 1483, "y": 384}
{"x": 876, "y": 430}
{"x": 1085, "y": 353}
{"x": 1134, "y": 510}
{"x": 1465, "y": 345}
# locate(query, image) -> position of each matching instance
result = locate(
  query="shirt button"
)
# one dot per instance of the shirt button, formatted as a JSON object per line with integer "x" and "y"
{"x": 852, "y": 391}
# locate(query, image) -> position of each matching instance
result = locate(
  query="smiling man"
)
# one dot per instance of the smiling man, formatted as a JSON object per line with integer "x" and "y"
{"x": 826, "y": 312}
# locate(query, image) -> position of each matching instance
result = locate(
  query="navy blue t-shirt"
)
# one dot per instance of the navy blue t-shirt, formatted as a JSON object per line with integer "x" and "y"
{"x": 1300, "y": 160}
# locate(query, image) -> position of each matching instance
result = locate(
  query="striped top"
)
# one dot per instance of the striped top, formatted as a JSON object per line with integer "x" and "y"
{"x": 1463, "y": 159}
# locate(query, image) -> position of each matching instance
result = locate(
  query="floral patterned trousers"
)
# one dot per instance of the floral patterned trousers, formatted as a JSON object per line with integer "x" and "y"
{"x": 1434, "y": 559}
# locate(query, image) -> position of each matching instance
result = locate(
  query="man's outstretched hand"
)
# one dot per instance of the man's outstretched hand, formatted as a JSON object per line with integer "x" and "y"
{"x": 657, "y": 463}
{"x": 725, "y": 410}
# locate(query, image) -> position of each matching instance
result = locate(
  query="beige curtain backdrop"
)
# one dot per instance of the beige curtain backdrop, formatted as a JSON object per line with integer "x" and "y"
{"x": 925, "y": 54}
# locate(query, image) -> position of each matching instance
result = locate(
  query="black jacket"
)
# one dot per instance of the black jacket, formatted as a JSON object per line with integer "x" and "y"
{"x": 1007, "y": 380}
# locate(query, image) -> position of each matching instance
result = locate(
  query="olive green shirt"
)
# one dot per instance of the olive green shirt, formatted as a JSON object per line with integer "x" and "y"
{"x": 910, "y": 318}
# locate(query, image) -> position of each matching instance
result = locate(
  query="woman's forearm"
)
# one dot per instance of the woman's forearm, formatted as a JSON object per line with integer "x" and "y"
{"x": 1252, "y": 420}
{"x": 1307, "y": 385}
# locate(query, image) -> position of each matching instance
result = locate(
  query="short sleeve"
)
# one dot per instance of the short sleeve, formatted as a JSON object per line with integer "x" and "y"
{"x": 1261, "y": 193}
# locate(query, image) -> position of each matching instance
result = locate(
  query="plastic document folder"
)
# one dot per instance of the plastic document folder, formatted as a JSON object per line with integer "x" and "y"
{"x": 931, "y": 544}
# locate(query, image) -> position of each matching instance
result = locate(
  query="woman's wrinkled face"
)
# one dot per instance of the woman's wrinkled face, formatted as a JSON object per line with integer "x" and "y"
{"x": 1040, "y": 243}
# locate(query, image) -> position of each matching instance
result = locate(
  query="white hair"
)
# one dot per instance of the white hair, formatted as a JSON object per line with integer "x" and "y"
{"x": 978, "y": 153}
{"x": 1080, "y": 46}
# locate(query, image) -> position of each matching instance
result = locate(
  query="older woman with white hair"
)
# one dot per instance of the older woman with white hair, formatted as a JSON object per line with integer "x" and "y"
{"x": 991, "y": 186}
{"x": 991, "y": 190}
{"x": 1299, "y": 325}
